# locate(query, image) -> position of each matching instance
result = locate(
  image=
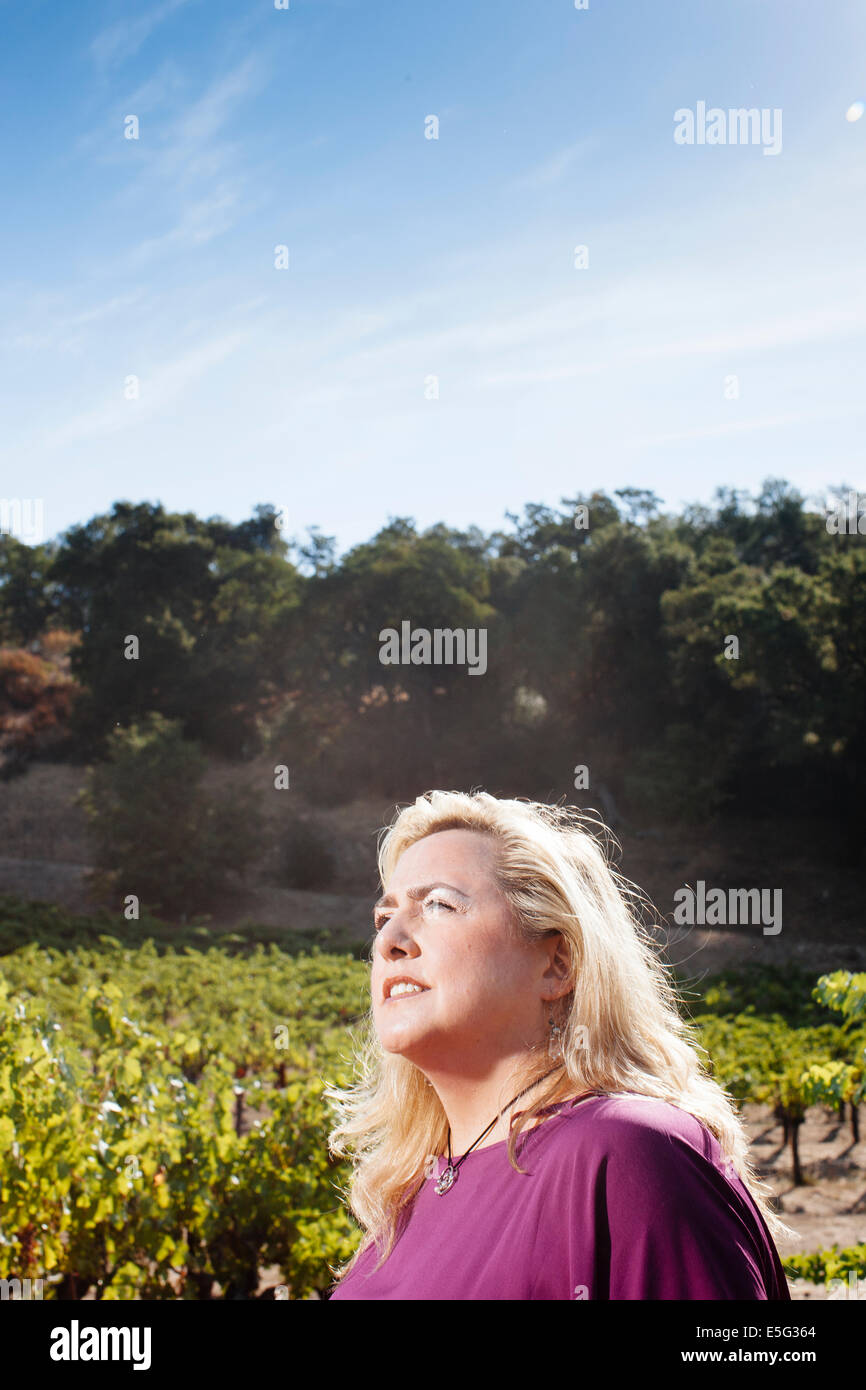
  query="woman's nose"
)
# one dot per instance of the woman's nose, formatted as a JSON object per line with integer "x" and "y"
{"x": 395, "y": 938}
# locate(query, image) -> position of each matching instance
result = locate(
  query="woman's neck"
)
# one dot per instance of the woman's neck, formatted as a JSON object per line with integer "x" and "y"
{"x": 471, "y": 1105}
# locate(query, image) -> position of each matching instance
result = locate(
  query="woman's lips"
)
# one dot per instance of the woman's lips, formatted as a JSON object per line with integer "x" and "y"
{"x": 411, "y": 994}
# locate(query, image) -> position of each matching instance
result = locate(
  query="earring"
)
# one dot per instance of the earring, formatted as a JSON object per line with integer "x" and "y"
{"x": 554, "y": 1046}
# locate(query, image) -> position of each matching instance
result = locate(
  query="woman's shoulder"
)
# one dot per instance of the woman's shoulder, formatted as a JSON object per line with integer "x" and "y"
{"x": 606, "y": 1121}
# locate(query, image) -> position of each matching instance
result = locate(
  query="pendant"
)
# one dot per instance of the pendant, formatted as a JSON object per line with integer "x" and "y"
{"x": 446, "y": 1181}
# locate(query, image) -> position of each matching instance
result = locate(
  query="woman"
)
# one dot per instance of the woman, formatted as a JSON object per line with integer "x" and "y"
{"x": 532, "y": 1121}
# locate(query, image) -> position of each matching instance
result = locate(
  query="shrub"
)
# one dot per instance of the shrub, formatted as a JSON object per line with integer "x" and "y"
{"x": 36, "y": 698}
{"x": 123, "y": 1176}
{"x": 308, "y": 860}
{"x": 157, "y": 834}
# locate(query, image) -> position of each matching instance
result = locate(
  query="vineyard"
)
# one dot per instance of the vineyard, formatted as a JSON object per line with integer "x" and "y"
{"x": 162, "y": 1123}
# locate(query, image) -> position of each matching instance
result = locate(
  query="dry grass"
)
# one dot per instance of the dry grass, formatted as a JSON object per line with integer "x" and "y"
{"x": 38, "y": 816}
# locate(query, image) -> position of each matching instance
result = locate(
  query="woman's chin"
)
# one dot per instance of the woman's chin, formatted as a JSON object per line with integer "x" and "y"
{"x": 406, "y": 1042}
{"x": 399, "y": 1041}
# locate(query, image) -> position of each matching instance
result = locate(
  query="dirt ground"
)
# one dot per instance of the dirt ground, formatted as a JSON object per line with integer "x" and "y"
{"x": 830, "y": 1209}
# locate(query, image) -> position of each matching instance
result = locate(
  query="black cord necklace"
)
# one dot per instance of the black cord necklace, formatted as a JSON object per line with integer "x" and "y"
{"x": 448, "y": 1177}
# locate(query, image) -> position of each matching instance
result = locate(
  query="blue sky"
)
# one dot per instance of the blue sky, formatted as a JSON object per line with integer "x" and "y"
{"x": 413, "y": 258}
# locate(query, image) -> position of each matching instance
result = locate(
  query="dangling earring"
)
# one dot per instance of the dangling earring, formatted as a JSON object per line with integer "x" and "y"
{"x": 554, "y": 1046}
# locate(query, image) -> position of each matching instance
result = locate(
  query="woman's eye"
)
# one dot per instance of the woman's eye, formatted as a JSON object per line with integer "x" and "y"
{"x": 380, "y": 922}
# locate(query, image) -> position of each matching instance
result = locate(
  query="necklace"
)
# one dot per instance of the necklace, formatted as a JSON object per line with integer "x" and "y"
{"x": 447, "y": 1179}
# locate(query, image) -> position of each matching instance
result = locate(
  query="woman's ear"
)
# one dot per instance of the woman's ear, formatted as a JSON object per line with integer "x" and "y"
{"x": 559, "y": 966}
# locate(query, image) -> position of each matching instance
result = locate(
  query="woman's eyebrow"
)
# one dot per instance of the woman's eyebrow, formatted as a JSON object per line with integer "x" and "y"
{"x": 420, "y": 892}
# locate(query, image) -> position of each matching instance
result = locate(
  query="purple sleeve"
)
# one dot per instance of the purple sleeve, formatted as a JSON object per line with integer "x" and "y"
{"x": 681, "y": 1224}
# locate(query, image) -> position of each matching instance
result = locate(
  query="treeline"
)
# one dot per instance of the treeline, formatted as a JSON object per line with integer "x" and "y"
{"x": 708, "y": 660}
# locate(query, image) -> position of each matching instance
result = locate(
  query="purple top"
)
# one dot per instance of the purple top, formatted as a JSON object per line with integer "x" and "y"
{"x": 624, "y": 1197}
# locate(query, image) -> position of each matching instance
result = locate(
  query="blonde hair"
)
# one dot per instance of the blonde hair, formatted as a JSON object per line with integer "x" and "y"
{"x": 621, "y": 1028}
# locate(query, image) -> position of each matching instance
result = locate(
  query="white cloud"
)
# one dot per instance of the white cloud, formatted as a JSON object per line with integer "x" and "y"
{"x": 197, "y": 181}
{"x": 122, "y": 40}
{"x": 785, "y": 331}
{"x": 55, "y": 333}
{"x": 719, "y": 431}
{"x": 190, "y": 138}
{"x": 552, "y": 169}
{"x": 159, "y": 388}
{"x": 199, "y": 222}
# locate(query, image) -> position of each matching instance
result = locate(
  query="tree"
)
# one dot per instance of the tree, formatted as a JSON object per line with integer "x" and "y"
{"x": 176, "y": 615}
{"x": 25, "y": 591}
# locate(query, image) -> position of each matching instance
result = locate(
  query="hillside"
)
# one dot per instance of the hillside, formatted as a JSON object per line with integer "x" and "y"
{"x": 45, "y": 854}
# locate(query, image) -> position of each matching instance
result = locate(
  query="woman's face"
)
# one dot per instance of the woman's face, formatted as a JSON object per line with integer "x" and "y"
{"x": 444, "y": 924}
